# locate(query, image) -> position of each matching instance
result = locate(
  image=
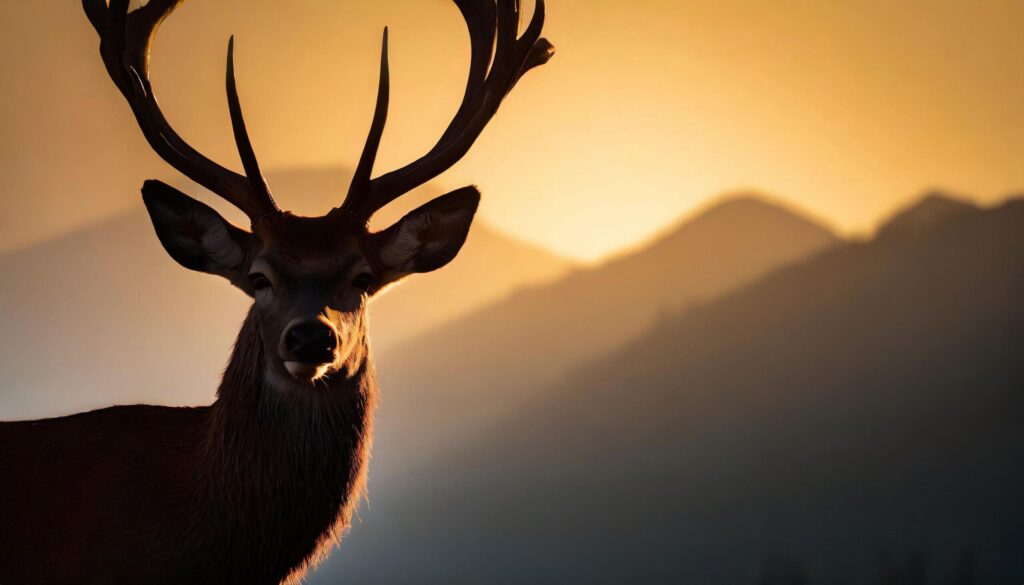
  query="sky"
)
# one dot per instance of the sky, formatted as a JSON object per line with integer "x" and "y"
{"x": 845, "y": 108}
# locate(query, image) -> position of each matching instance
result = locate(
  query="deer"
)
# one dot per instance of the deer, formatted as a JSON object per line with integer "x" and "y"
{"x": 258, "y": 486}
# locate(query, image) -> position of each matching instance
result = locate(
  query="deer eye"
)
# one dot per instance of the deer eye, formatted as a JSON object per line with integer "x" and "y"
{"x": 363, "y": 281}
{"x": 259, "y": 281}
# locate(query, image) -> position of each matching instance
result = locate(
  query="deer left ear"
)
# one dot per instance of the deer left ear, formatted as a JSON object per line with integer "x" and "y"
{"x": 196, "y": 236}
{"x": 428, "y": 237}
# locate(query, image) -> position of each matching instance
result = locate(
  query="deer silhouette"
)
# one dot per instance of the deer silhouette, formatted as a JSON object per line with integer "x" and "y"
{"x": 255, "y": 487}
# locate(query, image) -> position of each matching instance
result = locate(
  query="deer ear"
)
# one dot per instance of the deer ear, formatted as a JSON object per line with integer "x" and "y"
{"x": 428, "y": 237}
{"x": 195, "y": 235}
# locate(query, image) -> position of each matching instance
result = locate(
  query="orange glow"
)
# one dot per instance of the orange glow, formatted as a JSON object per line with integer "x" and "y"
{"x": 649, "y": 109}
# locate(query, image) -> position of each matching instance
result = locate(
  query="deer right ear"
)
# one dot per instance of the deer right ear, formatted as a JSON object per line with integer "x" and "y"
{"x": 428, "y": 237}
{"x": 195, "y": 235}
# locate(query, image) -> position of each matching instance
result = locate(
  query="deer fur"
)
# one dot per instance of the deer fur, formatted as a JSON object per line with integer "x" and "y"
{"x": 251, "y": 489}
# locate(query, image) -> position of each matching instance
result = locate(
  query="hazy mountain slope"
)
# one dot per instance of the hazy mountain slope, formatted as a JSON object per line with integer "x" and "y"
{"x": 104, "y": 316}
{"x": 856, "y": 418}
{"x": 448, "y": 383}
{"x": 931, "y": 210}
{"x": 450, "y": 386}
{"x": 491, "y": 266}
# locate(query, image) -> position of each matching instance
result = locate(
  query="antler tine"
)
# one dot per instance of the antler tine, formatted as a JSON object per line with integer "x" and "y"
{"x": 355, "y": 205}
{"x": 245, "y": 150}
{"x": 498, "y": 60}
{"x": 125, "y": 40}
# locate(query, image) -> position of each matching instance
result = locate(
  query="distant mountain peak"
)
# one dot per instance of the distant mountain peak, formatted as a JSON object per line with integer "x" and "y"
{"x": 739, "y": 213}
{"x": 754, "y": 204}
{"x": 743, "y": 200}
{"x": 932, "y": 209}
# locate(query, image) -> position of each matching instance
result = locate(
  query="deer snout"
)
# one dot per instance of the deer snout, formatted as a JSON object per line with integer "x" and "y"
{"x": 308, "y": 347}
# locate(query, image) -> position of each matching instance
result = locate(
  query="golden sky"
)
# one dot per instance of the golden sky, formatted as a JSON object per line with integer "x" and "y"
{"x": 847, "y": 108}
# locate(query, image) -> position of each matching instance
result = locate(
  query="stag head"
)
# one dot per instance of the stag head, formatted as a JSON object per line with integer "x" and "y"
{"x": 311, "y": 277}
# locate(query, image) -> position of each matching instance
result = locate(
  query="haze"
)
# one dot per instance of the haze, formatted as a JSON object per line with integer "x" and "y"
{"x": 847, "y": 109}
{"x": 742, "y": 304}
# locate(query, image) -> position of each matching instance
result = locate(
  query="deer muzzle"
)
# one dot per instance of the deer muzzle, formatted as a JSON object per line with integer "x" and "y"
{"x": 309, "y": 347}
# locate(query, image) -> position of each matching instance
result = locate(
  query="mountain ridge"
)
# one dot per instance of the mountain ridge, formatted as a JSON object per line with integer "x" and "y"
{"x": 865, "y": 399}
{"x": 451, "y": 385}
{"x": 931, "y": 210}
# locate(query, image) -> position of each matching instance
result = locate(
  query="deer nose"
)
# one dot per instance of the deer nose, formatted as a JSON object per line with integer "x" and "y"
{"x": 310, "y": 342}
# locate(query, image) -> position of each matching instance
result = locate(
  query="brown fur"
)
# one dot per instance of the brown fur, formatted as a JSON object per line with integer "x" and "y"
{"x": 248, "y": 490}
{"x": 251, "y": 489}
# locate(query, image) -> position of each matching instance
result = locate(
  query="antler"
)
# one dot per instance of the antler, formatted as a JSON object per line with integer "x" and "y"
{"x": 499, "y": 58}
{"x": 125, "y": 39}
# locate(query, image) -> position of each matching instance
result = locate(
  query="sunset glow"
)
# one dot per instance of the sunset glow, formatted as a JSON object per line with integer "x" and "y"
{"x": 744, "y": 273}
{"x": 846, "y": 109}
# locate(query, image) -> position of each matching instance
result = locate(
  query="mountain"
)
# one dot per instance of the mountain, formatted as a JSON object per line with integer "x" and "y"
{"x": 107, "y": 308}
{"x": 456, "y": 379}
{"x": 933, "y": 209}
{"x": 103, "y": 317}
{"x": 491, "y": 266}
{"x": 854, "y": 418}
{"x": 450, "y": 386}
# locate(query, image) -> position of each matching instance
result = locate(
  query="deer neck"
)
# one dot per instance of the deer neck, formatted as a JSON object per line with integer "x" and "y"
{"x": 282, "y": 469}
